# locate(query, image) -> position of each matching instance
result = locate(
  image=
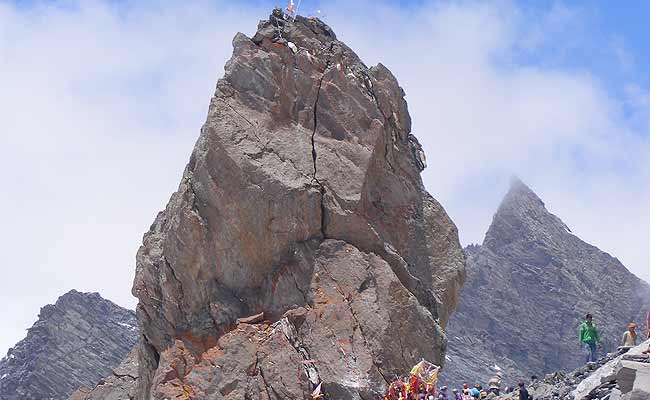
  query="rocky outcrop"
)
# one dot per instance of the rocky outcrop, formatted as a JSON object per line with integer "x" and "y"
{"x": 74, "y": 343}
{"x": 302, "y": 200}
{"x": 528, "y": 288}
{"x": 618, "y": 376}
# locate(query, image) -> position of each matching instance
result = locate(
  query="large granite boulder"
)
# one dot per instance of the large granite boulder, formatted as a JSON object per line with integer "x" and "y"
{"x": 74, "y": 343}
{"x": 528, "y": 289}
{"x": 302, "y": 200}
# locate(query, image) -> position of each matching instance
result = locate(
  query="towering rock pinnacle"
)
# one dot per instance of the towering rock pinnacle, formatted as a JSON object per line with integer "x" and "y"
{"x": 303, "y": 201}
{"x": 528, "y": 288}
{"x": 74, "y": 343}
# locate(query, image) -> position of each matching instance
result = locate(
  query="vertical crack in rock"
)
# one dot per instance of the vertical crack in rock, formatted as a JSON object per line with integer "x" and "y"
{"x": 172, "y": 273}
{"x": 386, "y": 119}
{"x": 194, "y": 207}
{"x": 314, "y": 155}
{"x": 299, "y": 289}
{"x": 152, "y": 349}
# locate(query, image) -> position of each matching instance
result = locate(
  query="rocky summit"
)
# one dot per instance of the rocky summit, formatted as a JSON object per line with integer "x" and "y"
{"x": 301, "y": 247}
{"x": 74, "y": 343}
{"x": 528, "y": 289}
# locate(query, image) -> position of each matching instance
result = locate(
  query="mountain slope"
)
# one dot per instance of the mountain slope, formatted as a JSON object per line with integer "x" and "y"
{"x": 74, "y": 343}
{"x": 121, "y": 384}
{"x": 528, "y": 288}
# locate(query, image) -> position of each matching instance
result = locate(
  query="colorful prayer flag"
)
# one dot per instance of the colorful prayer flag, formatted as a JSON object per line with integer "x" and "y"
{"x": 316, "y": 394}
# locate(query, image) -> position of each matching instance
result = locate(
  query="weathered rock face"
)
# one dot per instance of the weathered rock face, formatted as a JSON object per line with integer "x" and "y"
{"x": 74, "y": 343}
{"x": 303, "y": 200}
{"x": 121, "y": 384}
{"x": 528, "y": 289}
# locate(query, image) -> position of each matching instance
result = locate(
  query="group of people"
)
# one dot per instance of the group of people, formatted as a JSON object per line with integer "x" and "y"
{"x": 400, "y": 390}
{"x": 414, "y": 388}
{"x": 477, "y": 391}
{"x": 591, "y": 341}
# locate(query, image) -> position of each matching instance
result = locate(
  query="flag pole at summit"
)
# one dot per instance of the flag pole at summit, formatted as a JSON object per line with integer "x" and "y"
{"x": 297, "y": 9}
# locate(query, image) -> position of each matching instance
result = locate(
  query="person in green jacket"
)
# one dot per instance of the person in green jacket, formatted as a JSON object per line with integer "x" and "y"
{"x": 589, "y": 338}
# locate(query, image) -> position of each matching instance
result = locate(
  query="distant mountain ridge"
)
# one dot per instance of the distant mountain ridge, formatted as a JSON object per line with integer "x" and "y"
{"x": 528, "y": 288}
{"x": 74, "y": 343}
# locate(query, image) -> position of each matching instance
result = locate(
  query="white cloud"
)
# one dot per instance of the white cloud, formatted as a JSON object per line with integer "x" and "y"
{"x": 101, "y": 103}
{"x": 100, "y": 107}
{"x": 482, "y": 115}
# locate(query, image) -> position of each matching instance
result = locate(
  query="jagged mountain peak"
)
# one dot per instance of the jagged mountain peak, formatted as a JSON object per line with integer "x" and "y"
{"x": 75, "y": 299}
{"x": 522, "y": 216}
{"x": 74, "y": 294}
{"x": 533, "y": 275}
{"x": 75, "y": 342}
{"x": 520, "y": 193}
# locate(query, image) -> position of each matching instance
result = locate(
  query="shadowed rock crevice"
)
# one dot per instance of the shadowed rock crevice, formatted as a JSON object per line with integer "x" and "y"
{"x": 314, "y": 154}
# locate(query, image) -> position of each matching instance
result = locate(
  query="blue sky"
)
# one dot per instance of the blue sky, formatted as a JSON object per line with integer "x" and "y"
{"x": 101, "y": 103}
{"x": 607, "y": 40}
